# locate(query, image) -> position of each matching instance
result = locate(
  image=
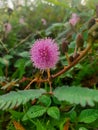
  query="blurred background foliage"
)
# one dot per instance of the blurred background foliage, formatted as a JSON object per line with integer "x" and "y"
{"x": 21, "y": 23}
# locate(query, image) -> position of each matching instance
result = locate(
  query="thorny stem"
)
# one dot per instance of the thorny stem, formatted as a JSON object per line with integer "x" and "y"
{"x": 38, "y": 80}
{"x": 73, "y": 63}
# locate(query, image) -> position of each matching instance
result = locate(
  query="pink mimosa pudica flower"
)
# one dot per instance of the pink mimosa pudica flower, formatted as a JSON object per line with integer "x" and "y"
{"x": 44, "y": 53}
{"x": 74, "y": 19}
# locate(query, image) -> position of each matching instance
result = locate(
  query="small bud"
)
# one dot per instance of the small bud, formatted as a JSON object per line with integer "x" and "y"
{"x": 76, "y": 55}
{"x": 79, "y": 41}
{"x": 74, "y": 19}
{"x": 59, "y": 64}
{"x": 64, "y": 46}
{"x": 93, "y": 31}
{"x": 91, "y": 23}
{"x": 69, "y": 36}
{"x": 71, "y": 58}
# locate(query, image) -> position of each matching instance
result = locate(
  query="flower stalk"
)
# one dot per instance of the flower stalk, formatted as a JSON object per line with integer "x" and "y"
{"x": 49, "y": 80}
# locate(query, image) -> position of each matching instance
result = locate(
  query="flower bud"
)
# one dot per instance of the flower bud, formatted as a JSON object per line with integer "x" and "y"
{"x": 79, "y": 41}
{"x": 71, "y": 58}
{"x": 59, "y": 65}
{"x": 74, "y": 19}
{"x": 93, "y": 31}
{"x": 64, "y": 46}
{"x": 76, "y": 55}
{"x": 91, "y": 23}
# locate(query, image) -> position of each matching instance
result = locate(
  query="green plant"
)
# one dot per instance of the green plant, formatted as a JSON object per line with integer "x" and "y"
{"x": 55, "y": 99}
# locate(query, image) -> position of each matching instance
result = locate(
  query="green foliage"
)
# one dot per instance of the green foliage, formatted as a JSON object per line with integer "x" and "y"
{"x": 54, "y": 112}
{"x": 45, "y": 100}
{"x": 74, "y": 95}
{"x": 88, "y": 115}
{"x": 77, "y": 95}
{"x": 16, "y": 115}
{"x": 14, "y": 99}
{"x": 39, "y": 125}
{"x": 10, "y": 126}
{"x": 87, "y": 71}
{"x": 70, "y": 106}
{"x": 82, "y": 128}
{"x": 20, "y": 65}
{"x": 59, "y": 3}
{"x": 34, "y": 111}
{"x": 73, "y": 116}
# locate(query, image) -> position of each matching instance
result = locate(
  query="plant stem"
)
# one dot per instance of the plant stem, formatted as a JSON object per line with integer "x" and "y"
{"x": 4, "y": 46}
{"x": 49, "y": 79}
{"x": 73, "y": 63}
{"x": 67, "y": 57}
{"x": 66, "y": 68}
{"x": 21, "y": 42}
{"x": 28, "y": 86}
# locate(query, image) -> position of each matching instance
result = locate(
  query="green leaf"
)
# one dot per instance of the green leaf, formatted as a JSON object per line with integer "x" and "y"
{"x": 34, "y": 111}
{"x": 12, "y": 99}
{"x": 1, "y": 71}
{"x": 20, "y": 65}
{"x": 88, "y": 115}
{"x": 77, "y": 95}
{"x": 45, "y": 100}
{"x": 56, "y": 101}
{"x": 54, "y": 112}
{"x": 24, "y": 54}
{"x": 73, "y": 116}
{"x": 4, "y": 61}
{"x": 39, "y": 124}
{"x": 16, "y": 115}
{"x": 82, "y": 128}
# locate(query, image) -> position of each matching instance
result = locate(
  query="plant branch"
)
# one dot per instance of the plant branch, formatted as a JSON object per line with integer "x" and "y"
{"x": 4, "y": 46}
{"x": 21, "y": 42}
{"x": 28, "y": 86}
{"x": 66, "y": 68}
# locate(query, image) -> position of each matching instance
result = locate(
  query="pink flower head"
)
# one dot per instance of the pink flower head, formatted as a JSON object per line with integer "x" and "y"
{"x": 7, "y": 27}
{"x": 44, "y": 53}
{"x": 44, "y": 22}
{"x": 74, "y": 19}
